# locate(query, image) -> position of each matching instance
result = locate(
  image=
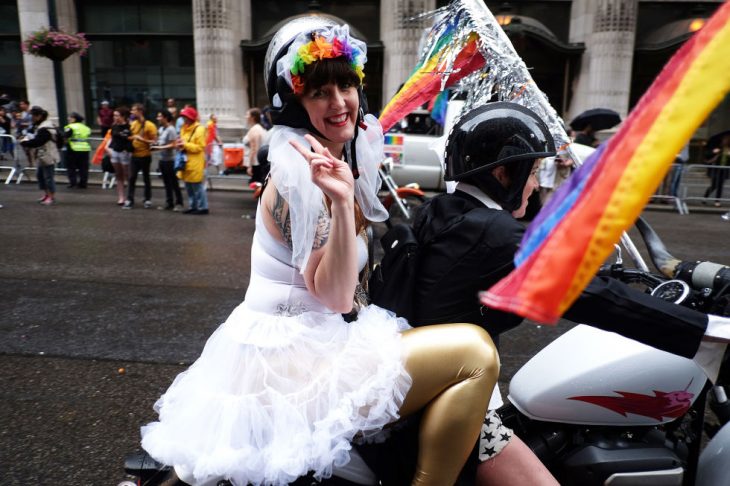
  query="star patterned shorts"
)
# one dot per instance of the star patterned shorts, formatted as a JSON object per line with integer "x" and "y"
{"x": 495, "y": 436}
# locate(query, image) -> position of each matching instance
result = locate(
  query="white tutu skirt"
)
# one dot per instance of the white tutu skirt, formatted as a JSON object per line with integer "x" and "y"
{"x": 272, "y": 398}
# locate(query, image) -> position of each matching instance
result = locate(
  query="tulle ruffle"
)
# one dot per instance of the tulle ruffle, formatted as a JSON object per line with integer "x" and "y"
{"x": 272, "y": 398}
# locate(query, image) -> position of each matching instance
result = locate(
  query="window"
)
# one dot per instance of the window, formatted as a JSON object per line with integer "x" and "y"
{"x": 141, "y": 70}
{"x": 141, "y": 52}
{"x": 12, "y": 74}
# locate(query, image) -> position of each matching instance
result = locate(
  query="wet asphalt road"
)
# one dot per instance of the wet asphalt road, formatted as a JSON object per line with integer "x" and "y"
{"x": 101, "y": 308}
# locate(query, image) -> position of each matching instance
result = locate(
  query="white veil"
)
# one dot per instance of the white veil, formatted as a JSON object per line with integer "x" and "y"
{"x": 290, "y": 173}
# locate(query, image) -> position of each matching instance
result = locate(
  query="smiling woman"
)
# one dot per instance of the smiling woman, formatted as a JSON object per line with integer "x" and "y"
{"x": 332, "y": 105}
{"x": 286, "y": 383}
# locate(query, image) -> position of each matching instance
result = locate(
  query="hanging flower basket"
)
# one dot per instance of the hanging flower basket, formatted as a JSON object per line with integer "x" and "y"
{"x": 55, "y": 44}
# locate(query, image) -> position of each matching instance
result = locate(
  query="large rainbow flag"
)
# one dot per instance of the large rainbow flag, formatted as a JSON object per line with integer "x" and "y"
{"x": 576, "y": 231}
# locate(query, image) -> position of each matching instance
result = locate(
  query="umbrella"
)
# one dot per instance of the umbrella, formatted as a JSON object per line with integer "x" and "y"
{"x": 598, "y": 118}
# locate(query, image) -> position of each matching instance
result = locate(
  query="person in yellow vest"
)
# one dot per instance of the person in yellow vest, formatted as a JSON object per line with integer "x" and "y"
{"x": 144, "y": 134}
{"x": 77, "y": 155}
{"x": 192, "y": 143}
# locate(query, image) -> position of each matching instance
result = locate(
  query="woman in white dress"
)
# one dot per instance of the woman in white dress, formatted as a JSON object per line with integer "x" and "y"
{"x": 285, "y": 384}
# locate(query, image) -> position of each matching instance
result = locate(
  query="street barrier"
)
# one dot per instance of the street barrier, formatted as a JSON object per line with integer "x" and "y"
{"x": 20, "y": 169}
{"x": 10, "y": 143}
{"x": 668, "y": 190}
{"x": 696, "y": 180}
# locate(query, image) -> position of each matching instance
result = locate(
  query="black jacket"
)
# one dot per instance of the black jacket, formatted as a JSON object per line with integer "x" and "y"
{"x": 467, "y": 247}
{"x": 42, "y": 136}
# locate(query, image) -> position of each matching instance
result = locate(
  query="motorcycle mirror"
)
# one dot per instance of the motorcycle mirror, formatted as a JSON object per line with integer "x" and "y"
{"x": 662, "y": 259}
{"x": 619, "y": 255}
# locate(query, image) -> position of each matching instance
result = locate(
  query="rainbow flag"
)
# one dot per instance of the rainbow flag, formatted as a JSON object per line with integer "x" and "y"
{"x": 394, "y": 139}
{"x": 393, "y": 147}
{"x": 430, "y": 76}
{"x": 574, "y": 234}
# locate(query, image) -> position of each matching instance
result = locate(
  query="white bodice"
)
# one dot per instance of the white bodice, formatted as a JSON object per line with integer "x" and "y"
{"x": 276, "y": 286}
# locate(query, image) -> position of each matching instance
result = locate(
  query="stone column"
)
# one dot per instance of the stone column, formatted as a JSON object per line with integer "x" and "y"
{"x": 608, "y": 28}
{"x": 401, "y": 37}
{"x": 39, "y": 81}
{"x": 219, "y": 81}
{"x": 72, "y": 77}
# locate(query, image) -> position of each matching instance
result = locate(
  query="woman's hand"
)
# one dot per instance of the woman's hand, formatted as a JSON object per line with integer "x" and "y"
{"x": 330, "y": 174}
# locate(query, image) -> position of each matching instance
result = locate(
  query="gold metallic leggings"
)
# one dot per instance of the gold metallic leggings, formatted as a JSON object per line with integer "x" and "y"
{"x": 454, "y": 368}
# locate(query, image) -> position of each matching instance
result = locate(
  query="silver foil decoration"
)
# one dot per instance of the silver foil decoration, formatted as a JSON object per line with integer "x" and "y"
{"x": 504, "y": 77}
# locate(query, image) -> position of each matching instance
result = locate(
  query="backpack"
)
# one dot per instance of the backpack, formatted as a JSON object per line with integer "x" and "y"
{"x": 58, "y": 137}
{"x": 392, "y": 283}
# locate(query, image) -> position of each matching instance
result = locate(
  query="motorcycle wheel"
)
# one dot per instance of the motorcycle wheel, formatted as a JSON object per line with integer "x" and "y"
{"x": 395, "y": 215}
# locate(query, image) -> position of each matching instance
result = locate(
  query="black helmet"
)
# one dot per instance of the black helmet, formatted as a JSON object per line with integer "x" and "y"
{"x": 495, "y": 134}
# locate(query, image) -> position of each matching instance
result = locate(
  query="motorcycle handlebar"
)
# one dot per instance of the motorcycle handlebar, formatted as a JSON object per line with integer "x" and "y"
{"x": 704, "y": 275}
{"x": 630, "y": 275}
{"x": 700, "y": 274}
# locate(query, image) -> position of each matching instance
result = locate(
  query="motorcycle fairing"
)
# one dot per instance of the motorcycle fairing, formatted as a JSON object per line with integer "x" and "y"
{"x": 588, "y": 362}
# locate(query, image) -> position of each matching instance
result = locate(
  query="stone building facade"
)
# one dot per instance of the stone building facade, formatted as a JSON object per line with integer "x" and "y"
{"x": 210, "y": 52}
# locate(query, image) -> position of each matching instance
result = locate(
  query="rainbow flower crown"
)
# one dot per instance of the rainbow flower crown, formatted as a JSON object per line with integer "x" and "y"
{"x": 316, "y": 46}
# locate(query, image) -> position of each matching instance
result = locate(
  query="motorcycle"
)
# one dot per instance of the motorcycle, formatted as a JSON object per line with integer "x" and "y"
{"x": 600, "y": 409}
{"x": 399, "y": 201}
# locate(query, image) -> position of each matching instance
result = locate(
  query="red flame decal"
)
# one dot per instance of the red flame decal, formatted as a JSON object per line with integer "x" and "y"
{"x": 662, "y": 404}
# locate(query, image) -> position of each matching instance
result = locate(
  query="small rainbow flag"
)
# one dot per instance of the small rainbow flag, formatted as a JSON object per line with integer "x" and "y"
{"x": 576, "y": 231}
{"x": 437, "y": 107}
{"x": 394, "y": 139}
{"x": 393, "y": 147}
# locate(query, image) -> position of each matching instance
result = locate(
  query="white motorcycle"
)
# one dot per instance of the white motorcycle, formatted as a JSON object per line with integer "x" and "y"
{"x": 601, "y": 409}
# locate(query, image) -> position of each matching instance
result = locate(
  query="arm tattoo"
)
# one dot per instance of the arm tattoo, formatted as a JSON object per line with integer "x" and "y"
{"x": 280, "y": 213}
{"x": 323, "y": 229}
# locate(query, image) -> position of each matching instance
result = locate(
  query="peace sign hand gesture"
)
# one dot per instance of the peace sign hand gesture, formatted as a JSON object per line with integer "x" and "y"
{"x": 329, "y": 173}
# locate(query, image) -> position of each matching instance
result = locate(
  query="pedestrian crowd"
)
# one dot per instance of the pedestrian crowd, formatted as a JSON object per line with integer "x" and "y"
{"x": 131, "y": 137}
{"x": 186, "y": 148}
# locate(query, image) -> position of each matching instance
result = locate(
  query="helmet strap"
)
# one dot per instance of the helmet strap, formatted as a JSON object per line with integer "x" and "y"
{"x": 360, "y": 123}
